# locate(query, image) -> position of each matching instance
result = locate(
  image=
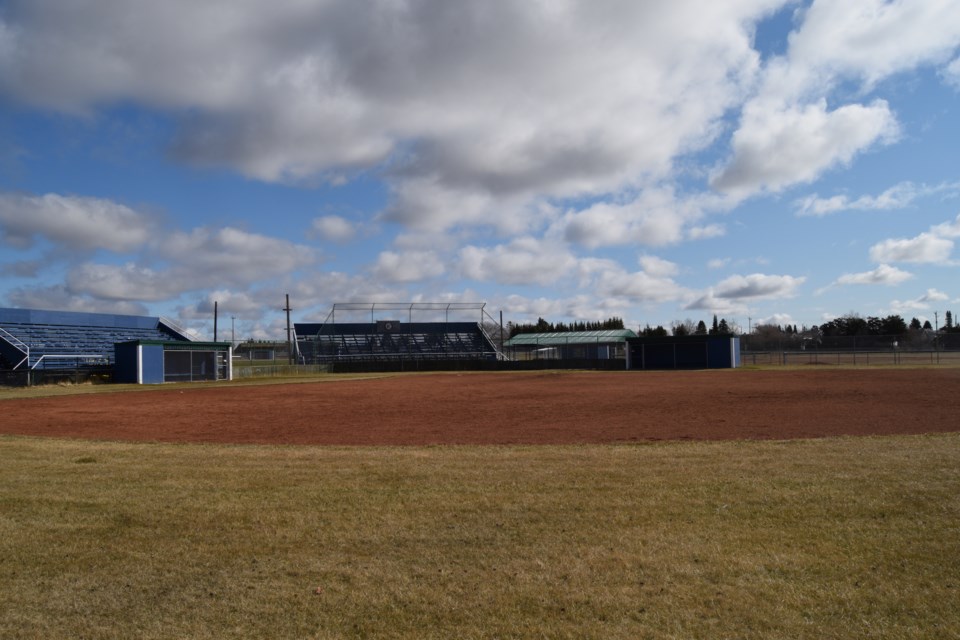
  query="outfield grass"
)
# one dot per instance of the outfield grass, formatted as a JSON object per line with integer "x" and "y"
{"x": 834, "y": 538}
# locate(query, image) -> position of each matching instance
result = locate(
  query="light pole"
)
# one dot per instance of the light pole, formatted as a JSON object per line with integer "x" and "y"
{"x": 233, "y": 333}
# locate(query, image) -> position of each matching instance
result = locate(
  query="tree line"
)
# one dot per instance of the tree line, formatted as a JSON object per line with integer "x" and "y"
{"x": 542, "y": 326}
{"x": 851, "y": 324}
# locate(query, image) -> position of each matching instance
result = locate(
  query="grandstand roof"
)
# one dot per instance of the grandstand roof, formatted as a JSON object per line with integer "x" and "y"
{"x": 570, "y": 337}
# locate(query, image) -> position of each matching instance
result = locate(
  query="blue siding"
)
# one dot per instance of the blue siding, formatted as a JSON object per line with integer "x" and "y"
{"x": 152, "y": 364}
{"x": 685, "y": 352}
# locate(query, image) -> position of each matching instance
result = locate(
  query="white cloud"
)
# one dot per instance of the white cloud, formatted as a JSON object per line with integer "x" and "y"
{"x": 410, "y": 266}
{"x": 333, "y": 228}
{"x": 656, "y": 217}
{"x": 925, "y": 248}
{"x": 947, "y": 229}
{"x": 639, "y": 287}
{"x": 196, "y": 260}
{"x": 72, "y": 222}
{"x": 883, "y": 274}
{"x": 523, "y": 261}
{"x": 706, "y": 232}
{"x": 874, "y": 39}
{"x": 123, "y": 282}
{"x": 658, "y": 267}
{"x": 776, "y": 148}
{"x": 718, "y": 263}
{"x": 952, "y": 73}
{"x": 932, "y": 247}
{"x": 60, "y": 298}
{"x": 775, "y": 320}
{"x": 898, "y": 196}
{"x": 232, "y": 256}
{"x": 757, "y": 286}
{"x": 241, "y": 304}
{"x": 921, "y": 303}
{"x": 731, "y": 295}
{"x": 787, "y": 134}
{"x": 468, "y": 108}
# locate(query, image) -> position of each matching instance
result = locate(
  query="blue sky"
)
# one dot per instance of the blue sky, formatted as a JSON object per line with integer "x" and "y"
{"x": 766, "y": 161}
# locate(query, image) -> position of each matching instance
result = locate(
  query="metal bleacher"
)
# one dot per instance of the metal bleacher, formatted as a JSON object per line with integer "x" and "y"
{"x": 323, "y": 343}
{"x": 36, "y": 339}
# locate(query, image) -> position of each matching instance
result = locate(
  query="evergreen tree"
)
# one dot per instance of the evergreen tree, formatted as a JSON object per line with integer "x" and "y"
{"x": 723, "y": 328}
{"x": 701, "y": 328}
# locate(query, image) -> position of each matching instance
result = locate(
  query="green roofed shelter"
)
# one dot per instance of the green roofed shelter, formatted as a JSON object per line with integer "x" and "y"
{"x": 603, "y": 344}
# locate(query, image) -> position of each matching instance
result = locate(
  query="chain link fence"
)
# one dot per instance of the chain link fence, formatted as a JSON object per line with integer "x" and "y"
{"x": 915, "y": 348}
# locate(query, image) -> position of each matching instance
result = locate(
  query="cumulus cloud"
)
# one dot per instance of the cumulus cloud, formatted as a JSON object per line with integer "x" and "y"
{"x": 656, "y": 217}
{"x": 123, "y": 282}
{"x": 639, "y": 287}
{"x": 194, "y": 260}
{"x": 884, "y": 274}
{"x": 333, "y": 229}
{"x": 232, "y": 256}
{"x": 464, "y": 107}
{"x": 896, "y": 197}
{"x": 72, "y": 222}
{"x": 242, "y": 304}
{"x": 921, "y": 303}
{"x": 732, "y": 295}
{"x": 774, "y": 149}
{"x": 658, "y": 267}
{"x": 775, "y": 320}
{"x": 932, "y": 247}
{"x": 787, "y": 134}
{"x": 757, "y": 285}
{"x": 59, "y": 297}
{"x": 873, "y": 39}
{"x": 409, "y": 266}
{"x": 522, "y": 261}
{"x": 924, "y": 248}
{"x": 947, "y": 229}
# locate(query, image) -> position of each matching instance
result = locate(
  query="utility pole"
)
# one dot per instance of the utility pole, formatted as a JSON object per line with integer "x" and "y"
{"x": 289, "y": 346}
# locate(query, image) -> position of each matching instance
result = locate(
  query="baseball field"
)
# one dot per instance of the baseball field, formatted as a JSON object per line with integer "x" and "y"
{"x": 813, "y": 503}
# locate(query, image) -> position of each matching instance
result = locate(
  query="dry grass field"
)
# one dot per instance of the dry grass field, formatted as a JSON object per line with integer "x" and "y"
{"x": 826, "y": 538}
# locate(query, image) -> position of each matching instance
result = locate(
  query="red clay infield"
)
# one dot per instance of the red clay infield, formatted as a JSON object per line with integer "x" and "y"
{"x": 522, "y": 408}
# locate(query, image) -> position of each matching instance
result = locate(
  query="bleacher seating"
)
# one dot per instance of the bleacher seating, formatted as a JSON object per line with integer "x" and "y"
{"x": 322, "y": 343}
{"x": 59, "y": 340}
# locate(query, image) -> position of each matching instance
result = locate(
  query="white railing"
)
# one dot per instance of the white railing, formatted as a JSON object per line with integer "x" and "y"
{"x": 178, "y": 328}
{"x": 70, "y": 356}
{"x": 19, "y": 345}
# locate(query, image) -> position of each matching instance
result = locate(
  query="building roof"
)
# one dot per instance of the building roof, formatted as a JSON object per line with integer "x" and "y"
{"x": 570, "y": 337}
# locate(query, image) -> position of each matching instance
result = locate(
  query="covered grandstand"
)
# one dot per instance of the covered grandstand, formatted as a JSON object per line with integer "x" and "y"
{"x": 39, "y": 340}
{"x": 398, "y": 336}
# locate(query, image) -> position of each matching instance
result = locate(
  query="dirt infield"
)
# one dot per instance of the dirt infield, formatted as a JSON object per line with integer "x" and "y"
{"x": 529, "y": 408}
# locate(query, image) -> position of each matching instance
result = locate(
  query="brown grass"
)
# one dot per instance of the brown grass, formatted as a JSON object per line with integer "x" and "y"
{"x": 833, "y": 538}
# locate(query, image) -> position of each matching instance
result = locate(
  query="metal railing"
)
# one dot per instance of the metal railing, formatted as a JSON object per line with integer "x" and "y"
{"x": 17, "y": 344}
